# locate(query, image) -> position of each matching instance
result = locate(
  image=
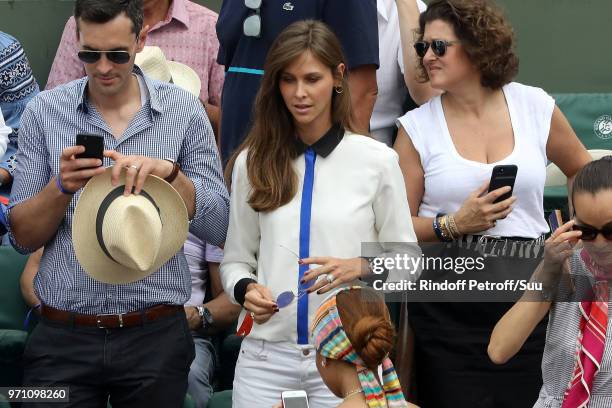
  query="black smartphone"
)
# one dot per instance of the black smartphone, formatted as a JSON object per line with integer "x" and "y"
{"x": 94, "y": 146}
{"x": 501, "y": 176}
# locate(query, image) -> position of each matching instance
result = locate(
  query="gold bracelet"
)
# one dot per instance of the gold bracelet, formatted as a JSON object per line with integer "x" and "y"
{"x": 453, "y": 226}
{"x": 444, "y": 228}
{"x": 449, "y": 227}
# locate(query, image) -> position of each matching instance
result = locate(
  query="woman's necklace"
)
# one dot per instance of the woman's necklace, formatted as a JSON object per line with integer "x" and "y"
{"x": 351, "y": 393}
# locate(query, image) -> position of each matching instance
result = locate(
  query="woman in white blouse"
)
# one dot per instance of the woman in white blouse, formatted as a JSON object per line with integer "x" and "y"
{"x": 306, "y": 192}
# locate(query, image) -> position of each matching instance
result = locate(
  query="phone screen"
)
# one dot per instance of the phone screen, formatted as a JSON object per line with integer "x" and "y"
{"x": 295, "y": 402}
{"x": 94, "y": 146}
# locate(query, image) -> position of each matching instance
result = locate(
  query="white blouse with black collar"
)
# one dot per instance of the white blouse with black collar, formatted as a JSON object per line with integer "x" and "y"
{"x": 358, "y": 196}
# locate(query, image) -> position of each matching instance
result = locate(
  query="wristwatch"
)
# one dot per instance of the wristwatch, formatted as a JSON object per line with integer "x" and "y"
{"x": 206, "y": 316}
{"x": 371, "y": 260}
{"x": 175, "y": 171}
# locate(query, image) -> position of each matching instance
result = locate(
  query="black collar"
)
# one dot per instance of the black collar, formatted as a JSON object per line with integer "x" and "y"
{"x": 326, "y": 144}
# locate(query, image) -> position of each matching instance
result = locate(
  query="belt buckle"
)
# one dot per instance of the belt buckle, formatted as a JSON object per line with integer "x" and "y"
{"x": 99, "y": 321}
{"x": 484, "y": 240}
{"x": 492, "y": 237}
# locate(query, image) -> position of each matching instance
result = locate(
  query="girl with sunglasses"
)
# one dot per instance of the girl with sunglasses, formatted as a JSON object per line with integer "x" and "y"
{"x": 448, "y": 148}
{"x": 577, "y": 361}
{"x": 302, "y": 183}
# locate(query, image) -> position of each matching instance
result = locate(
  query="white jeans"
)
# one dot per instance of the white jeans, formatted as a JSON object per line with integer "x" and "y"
{"x": 265, "y": 369}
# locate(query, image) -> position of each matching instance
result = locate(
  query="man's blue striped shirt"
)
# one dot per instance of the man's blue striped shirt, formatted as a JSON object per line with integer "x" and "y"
{"x": 172, "y": 124}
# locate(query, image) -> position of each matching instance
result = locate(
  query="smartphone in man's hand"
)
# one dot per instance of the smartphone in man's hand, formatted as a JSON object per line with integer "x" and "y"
{"x": 94, "y": 146}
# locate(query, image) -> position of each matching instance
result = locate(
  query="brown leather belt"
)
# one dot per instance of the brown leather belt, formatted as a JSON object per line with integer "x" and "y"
{"x": 110, "y": 321}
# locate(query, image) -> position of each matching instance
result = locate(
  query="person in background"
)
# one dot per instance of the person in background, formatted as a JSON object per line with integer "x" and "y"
{"x": 17, "y": 88}
{"x": 353, "y": 335}
{"x": 183, "y": 29}
{"x": 303, "y": 185}
{"x": 577, "y": 361}
{"x": 246, "y": 30}
{"x": 448, "y": 148}
{"x": 208, "y": 311}
{"x": 397, "y": 76}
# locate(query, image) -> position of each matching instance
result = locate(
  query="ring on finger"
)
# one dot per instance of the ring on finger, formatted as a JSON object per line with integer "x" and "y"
{"x": 330, "y": 278}
{"x": 133, "y": 166}
{"x": 252, "y": 315}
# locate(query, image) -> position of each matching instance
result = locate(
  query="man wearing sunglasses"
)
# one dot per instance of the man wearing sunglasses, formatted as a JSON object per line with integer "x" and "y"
{"x": 127, "y": 342}
{"x": 246, "y": 30}
{"x": 183, "y": 29}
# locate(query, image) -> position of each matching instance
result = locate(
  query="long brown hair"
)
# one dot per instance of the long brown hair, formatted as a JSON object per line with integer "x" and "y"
{"x": 270, "y": 144}
{"x": 367, "y": 324}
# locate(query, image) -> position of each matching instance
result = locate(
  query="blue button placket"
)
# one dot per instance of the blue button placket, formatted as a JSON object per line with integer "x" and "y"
{"x": 305, "y": 213}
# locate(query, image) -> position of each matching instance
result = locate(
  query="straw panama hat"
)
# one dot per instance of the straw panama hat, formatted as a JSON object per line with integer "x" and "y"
{"x": 154, "y": 64}
{"x": 120, "y": 239}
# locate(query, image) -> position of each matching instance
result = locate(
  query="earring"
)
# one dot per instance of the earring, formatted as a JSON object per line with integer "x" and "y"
{"x": 338, "y": 89}
{"x": 324, "y": 361}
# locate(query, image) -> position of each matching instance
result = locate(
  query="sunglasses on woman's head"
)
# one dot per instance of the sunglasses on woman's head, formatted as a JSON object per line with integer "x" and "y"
{"x": 437, "y": 46}
{"x": 590, "y": 233}
{"x": 91, "y": 56}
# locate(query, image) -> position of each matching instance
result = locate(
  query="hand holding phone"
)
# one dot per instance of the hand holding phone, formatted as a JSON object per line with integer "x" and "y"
{"x": 74, "y": 172}
{"x": 294, "y": 399}
{"x": 94, "y": 146}
{"x": 502, "y": 176}
{"x": 481, "y": 209}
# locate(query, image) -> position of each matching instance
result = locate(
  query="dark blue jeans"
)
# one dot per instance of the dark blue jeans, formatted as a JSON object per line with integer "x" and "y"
{"x": 141, "y": 366}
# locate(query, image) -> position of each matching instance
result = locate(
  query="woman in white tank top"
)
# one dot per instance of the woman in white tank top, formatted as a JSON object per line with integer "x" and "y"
{"x": 448, "y": 148}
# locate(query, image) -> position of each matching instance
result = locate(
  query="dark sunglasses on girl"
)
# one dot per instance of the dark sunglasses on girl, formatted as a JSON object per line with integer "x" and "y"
{"x": 91, "y": 56}
{"x": 590, "y": 233}
{"x": 437, "y": 46}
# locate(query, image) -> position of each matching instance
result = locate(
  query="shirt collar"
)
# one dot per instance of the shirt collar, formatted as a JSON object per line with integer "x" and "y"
{"x": 326, "y": 144}
{"x": 178, "y": 11}
{"x": 153, "y": 97}
{"x": 384, "y": 8}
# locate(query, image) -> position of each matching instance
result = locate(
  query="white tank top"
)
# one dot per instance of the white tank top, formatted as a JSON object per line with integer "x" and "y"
{"x": 450, "y": 178}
